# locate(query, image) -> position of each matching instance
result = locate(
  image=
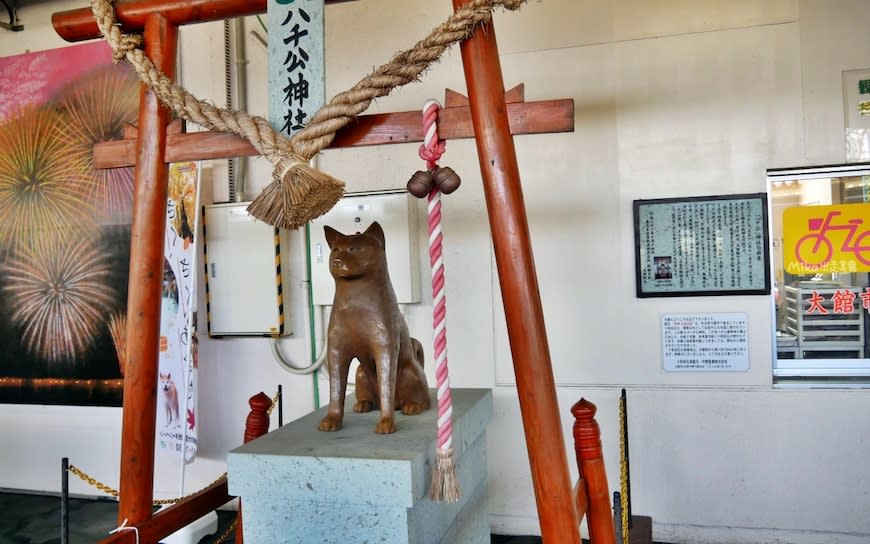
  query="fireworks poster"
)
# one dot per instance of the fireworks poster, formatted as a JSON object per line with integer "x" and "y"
{"x": 65, "y": 227}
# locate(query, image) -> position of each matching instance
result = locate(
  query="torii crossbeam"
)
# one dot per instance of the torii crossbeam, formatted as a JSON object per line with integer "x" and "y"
{"x": 159, "y": 20}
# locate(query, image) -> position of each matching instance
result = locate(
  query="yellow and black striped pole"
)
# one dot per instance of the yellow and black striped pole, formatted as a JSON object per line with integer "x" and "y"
{"x": 278, "y": 282}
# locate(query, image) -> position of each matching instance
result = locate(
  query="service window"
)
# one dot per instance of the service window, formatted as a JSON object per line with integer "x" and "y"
{"x": 820, "y": 232}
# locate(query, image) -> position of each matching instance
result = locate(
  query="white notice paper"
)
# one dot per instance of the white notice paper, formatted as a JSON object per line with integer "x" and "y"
{"x": 705, "y": 342}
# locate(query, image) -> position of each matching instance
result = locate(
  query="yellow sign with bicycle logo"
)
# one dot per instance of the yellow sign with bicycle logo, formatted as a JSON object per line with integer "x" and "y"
{"x": 826, "y": 239}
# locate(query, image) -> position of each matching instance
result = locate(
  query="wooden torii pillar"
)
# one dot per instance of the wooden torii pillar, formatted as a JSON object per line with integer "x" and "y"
{"x": 491, "y": 119}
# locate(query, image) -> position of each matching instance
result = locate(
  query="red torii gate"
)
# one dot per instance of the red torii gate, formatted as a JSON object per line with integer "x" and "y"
{"x": 159, "y": 20}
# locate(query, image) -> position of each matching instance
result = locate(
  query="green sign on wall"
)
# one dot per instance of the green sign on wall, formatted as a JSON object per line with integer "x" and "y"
{"x": 296, "y": 80}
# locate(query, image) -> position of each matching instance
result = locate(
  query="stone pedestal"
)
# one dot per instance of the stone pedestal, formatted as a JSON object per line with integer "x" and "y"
{"x": 301, "y": 485}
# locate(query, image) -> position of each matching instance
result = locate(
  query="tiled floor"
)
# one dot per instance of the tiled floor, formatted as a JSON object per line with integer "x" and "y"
{"x": 35, "y": 519}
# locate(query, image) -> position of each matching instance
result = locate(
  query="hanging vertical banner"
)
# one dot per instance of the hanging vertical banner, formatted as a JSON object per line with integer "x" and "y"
{"x": 176, "y": 384}
{"x": 296, "y": 81}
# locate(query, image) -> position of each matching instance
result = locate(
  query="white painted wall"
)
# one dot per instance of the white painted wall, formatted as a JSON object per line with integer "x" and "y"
{"x": 673, "y": 98}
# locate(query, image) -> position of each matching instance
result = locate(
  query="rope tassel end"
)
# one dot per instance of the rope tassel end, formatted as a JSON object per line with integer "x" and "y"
{"x": 445, "y": 484}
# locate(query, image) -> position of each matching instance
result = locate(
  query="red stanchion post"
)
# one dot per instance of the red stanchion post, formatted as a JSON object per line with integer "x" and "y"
{"x": 590, "y": 461}
{"x": 256, "y": 425}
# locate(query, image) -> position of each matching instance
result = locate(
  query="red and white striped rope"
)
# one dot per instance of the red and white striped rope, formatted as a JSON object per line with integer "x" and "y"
{"x": 431, "y": 150}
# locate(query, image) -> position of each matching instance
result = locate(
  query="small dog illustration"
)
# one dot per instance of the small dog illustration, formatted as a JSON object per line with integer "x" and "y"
{"x": 170, "y": 400}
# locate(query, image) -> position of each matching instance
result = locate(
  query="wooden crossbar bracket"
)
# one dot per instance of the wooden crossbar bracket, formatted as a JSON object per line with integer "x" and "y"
{"x": 454, "y": 122}
{"x": 453, "y": 99}
{"x": 167, "y": 521}
{"x": 176, "y": 126}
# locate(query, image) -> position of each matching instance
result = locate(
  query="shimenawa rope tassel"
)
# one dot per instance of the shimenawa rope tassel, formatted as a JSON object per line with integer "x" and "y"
{"x": 298, "y": 192}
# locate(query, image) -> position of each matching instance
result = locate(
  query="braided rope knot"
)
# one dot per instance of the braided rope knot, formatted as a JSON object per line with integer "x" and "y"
{"x": 432, "y": 147}
{"x": 127, "y": 43}
{"x": 284, "y": 162}
{"x": 121, "y": 43}
{"x": 432, "y": 153}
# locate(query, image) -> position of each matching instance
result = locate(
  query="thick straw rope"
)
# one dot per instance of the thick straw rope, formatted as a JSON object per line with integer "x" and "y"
{"x": 444, "y": 486}
{"x": 298, "y": 193}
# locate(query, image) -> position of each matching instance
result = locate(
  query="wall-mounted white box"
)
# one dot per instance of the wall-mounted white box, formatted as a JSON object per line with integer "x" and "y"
{"x": 244, "y": 293}
{"x": 396, "y": 211}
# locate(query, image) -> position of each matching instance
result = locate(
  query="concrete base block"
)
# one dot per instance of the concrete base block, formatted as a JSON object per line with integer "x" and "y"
{"x": 298, "y": 484}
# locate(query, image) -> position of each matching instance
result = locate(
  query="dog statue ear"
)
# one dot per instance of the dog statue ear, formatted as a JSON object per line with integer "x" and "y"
{"x": 331, "y": 235}
{"x": 376, "y": 232}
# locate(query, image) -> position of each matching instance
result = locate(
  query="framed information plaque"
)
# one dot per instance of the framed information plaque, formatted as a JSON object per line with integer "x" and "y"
{"x": 702, "y": 246}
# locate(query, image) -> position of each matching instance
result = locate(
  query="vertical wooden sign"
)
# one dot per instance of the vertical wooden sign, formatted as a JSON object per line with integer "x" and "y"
{"x": 296, "y": 76}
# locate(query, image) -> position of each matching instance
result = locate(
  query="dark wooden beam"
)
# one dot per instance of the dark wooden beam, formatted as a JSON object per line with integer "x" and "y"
{"x": 385, "y": 128}
{"x": 145, "y": 286}
{"x": 521, "y": 298}
{"x": 454, "y": 123}
{"x": 78, "y": 24}
{"x": 177, "y": 516}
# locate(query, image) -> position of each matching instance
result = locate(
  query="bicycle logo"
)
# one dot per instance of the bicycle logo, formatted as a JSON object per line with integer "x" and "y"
{"x": 816, "y": 248}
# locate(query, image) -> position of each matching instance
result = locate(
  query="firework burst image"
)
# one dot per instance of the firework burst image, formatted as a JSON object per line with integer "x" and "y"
{"x": 118, "y": 329}
{"x": 64, "y": 226}
{"x": 96, "y": 109}
{"x": 59, "y": 297}
{"x": 39, "y": 192}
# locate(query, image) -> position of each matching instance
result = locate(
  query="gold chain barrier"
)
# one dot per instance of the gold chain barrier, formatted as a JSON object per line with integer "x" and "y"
{"x": 274, "y": 403}
{"x": 114, "y": 492}
{"x": 162, "y": 502}
{"x": 623, "y": 472}
{"x": 92, "y": 481}
{"x": 229, "y": 531}
{"x": 159, "y": 502}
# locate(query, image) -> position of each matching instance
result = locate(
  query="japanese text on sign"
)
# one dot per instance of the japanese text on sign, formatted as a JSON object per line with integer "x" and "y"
{"x": 713, "y": 245}
{"x": 843, "y": 301}
{"x": 705, "y": 342}
{"x": 296, "y": 87}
